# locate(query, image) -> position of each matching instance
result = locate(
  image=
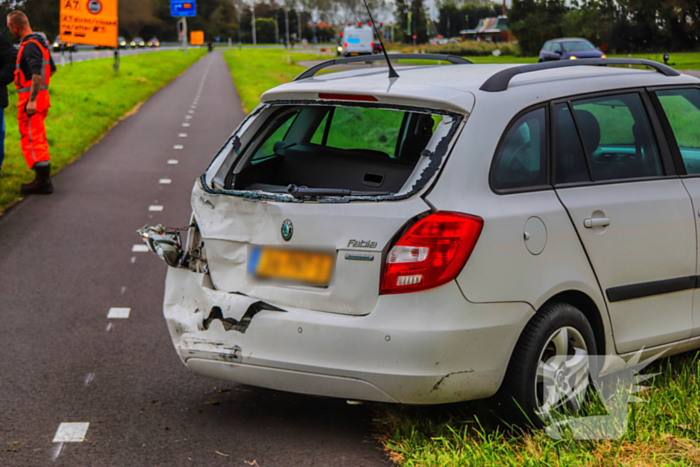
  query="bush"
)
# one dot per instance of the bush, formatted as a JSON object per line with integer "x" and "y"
{"x": 265, "y": 30}
{"x": 534, "y": 22}
{"x": 466, "y": 48}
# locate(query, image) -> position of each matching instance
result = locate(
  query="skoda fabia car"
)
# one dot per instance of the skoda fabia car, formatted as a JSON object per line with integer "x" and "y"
{"x": 444, "y": 235}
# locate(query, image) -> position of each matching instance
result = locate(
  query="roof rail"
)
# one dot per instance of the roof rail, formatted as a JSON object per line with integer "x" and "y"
{"x": 499, "y": 81}
{"x": 453, "y": 59}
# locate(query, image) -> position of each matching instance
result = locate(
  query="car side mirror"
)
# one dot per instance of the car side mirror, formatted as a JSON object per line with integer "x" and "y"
{"x": 558, "y": 52}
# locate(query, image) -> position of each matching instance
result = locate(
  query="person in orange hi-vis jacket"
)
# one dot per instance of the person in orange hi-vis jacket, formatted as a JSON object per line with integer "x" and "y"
{"x": 32, "y": 76}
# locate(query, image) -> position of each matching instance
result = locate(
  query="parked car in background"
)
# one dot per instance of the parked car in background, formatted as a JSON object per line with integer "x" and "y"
{"x": 138, "y": 42}
{"x": 569, "y": 49}
{"x": 154, "y": 42}
{"x": 58, "y": 45}
{"x": 121, "y": 42}
{"x": 376, "y": 48}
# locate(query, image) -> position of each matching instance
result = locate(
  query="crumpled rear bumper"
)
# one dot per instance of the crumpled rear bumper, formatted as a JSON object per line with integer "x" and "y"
{"x": 427, "y": 348}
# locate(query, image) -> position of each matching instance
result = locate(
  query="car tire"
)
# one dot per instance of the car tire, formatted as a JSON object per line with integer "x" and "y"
{"x": 557, "y": 328}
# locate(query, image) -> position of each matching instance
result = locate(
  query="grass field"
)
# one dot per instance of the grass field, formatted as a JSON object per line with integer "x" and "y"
{"x": 664, "y": 431}
{"x": 255, "y": 71}
{"x": 87, "y": 99}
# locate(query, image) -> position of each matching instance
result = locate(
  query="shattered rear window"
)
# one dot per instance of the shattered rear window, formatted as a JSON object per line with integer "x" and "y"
{"x": 331, "y": 151}
{"x": 373, "y": 129}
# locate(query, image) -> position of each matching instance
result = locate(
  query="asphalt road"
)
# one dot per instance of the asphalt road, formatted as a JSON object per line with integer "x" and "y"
{"x": 66, "y": 259}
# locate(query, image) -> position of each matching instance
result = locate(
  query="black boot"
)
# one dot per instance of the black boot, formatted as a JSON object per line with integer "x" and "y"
{"x": 41, "y": 185}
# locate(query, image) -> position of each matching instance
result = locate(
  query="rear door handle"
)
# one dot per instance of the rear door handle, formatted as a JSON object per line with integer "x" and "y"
{"x": 596, "y": 222}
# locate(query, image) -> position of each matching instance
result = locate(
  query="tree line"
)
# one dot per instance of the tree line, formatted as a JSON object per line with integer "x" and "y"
{"x": 619, "y": 26}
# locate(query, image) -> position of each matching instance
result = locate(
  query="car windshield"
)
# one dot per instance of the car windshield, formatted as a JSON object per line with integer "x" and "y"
{"x": 577, "y": 46}
{"x": 340, "y": 150}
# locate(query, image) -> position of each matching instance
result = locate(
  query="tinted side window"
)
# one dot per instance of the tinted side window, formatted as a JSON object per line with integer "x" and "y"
{"x": 521, "y": 161}
{"x": 569, "y": 159}
{"x": 547, "y": 46}
{"x": 682, "y": 108}
{"x": 617, "y": 137}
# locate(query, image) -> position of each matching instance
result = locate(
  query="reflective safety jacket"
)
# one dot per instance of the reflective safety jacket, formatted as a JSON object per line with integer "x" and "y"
{"x": 24, "y": 83}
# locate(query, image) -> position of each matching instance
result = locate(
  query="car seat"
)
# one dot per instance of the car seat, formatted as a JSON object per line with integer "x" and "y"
{"x": 417, "y": 140}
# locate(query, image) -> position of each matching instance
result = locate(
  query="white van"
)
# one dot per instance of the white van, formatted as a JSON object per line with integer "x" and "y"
{"x": 358, "y": 40}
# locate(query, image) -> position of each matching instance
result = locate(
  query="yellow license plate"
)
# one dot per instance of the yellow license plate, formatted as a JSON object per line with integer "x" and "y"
{"x": 291, "y": 265}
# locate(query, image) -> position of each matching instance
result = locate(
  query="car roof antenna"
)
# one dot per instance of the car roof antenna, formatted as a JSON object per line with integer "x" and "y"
{"x": 392, "y": 72}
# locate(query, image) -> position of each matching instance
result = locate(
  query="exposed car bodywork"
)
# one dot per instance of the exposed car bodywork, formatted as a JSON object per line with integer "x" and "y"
{"x": 344, "y": 338}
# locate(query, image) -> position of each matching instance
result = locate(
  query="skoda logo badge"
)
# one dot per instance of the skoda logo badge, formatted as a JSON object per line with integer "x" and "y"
{"x": 287, "y": 230}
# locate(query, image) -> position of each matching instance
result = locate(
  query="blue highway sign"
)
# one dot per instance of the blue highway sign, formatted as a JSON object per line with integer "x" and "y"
{"x": 183, "y": 8}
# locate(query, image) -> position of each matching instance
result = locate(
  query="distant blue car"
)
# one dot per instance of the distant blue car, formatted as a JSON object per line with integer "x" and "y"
{"x": 569, "y": 49}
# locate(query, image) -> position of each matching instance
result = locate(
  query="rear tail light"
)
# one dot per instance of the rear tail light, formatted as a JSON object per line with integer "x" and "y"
{"x": 371, "y": 44}
{"x": 431, "y": 253}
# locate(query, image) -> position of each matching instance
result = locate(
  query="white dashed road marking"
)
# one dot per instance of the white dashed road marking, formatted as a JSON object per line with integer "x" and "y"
{"x": 109, "y": 327}
{"x": 89, "y": 378}
{"x": 183, "y": 135}
{"x": 165, "y": 181}
{"x": 185, "y": 124}
{"x": 71, "y": 432}
{"x": 188, "y": 117}
{"x": 139, "y": 249}
{"x": 190, "y": 111}
{"x": 155, "y": 208}
{"x": 172, "y": 161}
{"x": 178, "y": 146}
{"x": 57, "y": 451}
{"x": 118, "y": 313}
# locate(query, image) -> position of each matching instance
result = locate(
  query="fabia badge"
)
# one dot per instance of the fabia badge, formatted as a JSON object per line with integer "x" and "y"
{"x": 287, "y": 230}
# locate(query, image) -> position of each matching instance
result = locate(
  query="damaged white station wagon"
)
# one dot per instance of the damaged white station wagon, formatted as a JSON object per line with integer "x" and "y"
{"x": 434, "y": 237}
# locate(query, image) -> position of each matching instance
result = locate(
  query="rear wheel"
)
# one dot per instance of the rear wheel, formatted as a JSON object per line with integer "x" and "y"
{"x": 549, "y": 369}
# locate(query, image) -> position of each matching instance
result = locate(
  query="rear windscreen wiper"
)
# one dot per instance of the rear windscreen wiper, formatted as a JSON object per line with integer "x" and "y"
{"x": 302, "y": 192}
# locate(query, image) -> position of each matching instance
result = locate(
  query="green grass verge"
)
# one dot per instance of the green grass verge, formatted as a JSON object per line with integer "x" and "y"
{"x": 87, "y": 99}
{"x": 678, "y": 60}
{"x": 254, "y": 71}
{"x": 663, "y": 431}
